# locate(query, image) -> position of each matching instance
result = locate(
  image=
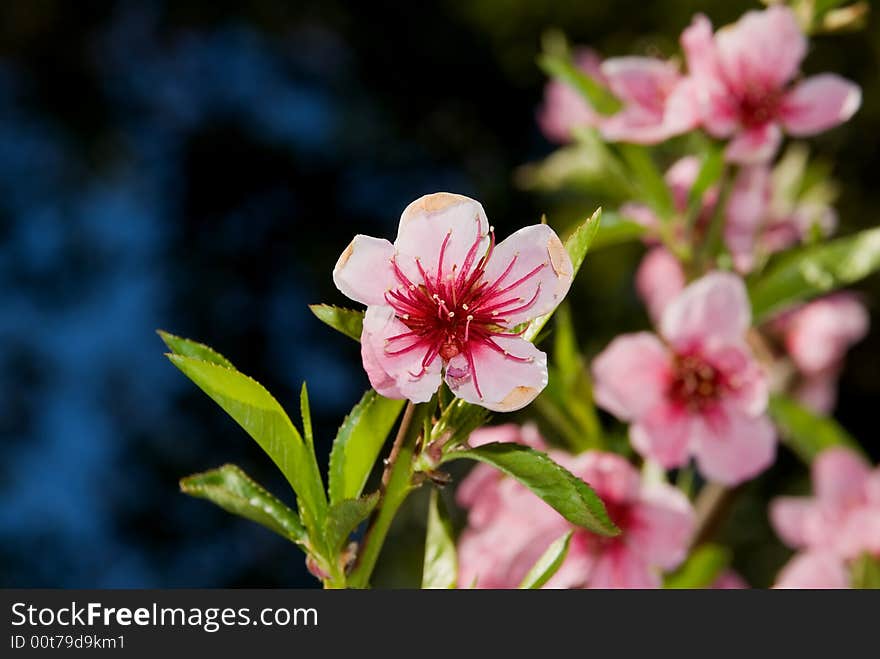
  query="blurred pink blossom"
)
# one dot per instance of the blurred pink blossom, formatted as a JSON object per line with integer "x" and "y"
{"x": 698, "y": 390}
{"x": 839, "y": 523}
{"x": 443, "y": 301}
{"x": 729, "y": 580}
{"x": 817, "y": 336}
{"x": 564, "y": 108}
{"x": 761, "y": 220}
{"x": 742, "y": 79}
{"x": 659, "y": 280}
{"x": 509, "y": 527}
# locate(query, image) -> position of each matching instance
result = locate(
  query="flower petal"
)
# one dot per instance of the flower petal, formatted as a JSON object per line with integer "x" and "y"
{"x": 620, "y": 567}
{"x": 754, "y": 145}
{"x": 747, "y": 385}
{"x": 631, "y": 374}
{"x": 507, "y": 383}
{"x": 762, "y": 50}
{"x": 642, "y": 81}
{"x": 363, "y": 271}
{"x": 611, "y": 475}
{"x": 839, "y": 477}
{"x": 664, "y": 435}
{"x": 813, "y": 569}
{"x": 540, "y": 277}
{"x": 661, "y": 526}
{"x": 424, "y": 227}
{"x": 713, "y": 308}
{"x": 818, "y": 334}
{"x": 746, "y": 212}
{"x": 861, "y": 533}
{"x": 400, "y": 375}
{"x": 732, "y": 447}
{"x": 819, "y": 103}
{"x": 789, "y": 516}
{"x": 659, "y": 280}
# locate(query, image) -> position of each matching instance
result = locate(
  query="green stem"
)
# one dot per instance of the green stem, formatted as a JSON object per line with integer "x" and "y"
{"x": 396, "y": 485}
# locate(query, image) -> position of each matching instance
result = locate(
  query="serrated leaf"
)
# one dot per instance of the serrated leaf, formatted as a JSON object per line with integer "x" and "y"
{"x": 701, "y": 569}
{"x": 358, "y": 443}
{"x": 865, "y": 572}
{"x": 548, "y": 564}
{"x": 255, "y": 410}
{"x": 561, "y": 67}
{"x": 187, "y": 348}
{"x": 234, "y": 491}
{"x": 807, "y": 433}
{"x": 344, "y": 517}
{"x": 305, "y": 412}
{"x": 653, "y": 189}
{"x": 348, "y": 321}
{"x": 577, "y": 245}
{"x": 566, "y": 493}
{"x": 815, "y": 270}
{"x": 440, "y": 568}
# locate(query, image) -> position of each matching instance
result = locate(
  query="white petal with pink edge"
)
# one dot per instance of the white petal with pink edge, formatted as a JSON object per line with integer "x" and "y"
{"x": 363, "y": 271}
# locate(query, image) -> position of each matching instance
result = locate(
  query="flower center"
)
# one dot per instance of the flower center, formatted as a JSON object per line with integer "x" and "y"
{"x": 457, "y": 309}
{"x": 758, "y": 106}
{"x": 696, "y": 384}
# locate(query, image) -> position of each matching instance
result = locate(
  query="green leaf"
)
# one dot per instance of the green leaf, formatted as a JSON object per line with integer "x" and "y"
{"x": 652, "y": 186}
{"x": 806, "y": 433}
{"x": 440, "y": 568}
{"x": 457, "y": 421}
{"x": 866, "y": 572}
{"x": 565, "y": 350}
{"x": 562, "y": 68}
{"x": 577, "y": 246}
{"x": 568, "y": 494}
{"x": 711, "y": 167}
{"x": 358, "y": 442}
{"x": 701, "y": 569}
{"x": 255, "y": 410}
{"x": 180, "y": 346}
{"x": 815, "y": 270}
{"x": 344, "y": 517}
{"x": 550, "y": 561}
{"x": 231, "y": 489}
{"x": 306, "y": 414}
{"x": 615, "y": 230}
{"x": 348, "y": 321}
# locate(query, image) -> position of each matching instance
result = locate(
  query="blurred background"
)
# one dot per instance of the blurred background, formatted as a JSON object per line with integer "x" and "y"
{"x": 198, "y": 167}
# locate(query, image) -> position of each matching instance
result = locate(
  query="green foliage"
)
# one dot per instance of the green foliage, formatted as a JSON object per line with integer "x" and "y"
{"x": 866, "y": 572}
{"x": 306, "y": 414}
{"x": 348, "y": 321}
{"x": 701, "y": 568}
{"x": 180, "y": 346}
{"x": 343, "y": 517}
{"x": 577, "y": 245}
{"x": 548, "y": 564}
{"x": 556, "y": 62}
{"x": 440, "y": 568}
{"x": 566, "y": 493}
{"x": 255, "y": 410}
{"x": 615, "y": 230}
{"x": 457, "y": 421}
{"x": 231, "y": 489}
{"x": 711, "y": 168}
{"x": 358, "y": 442}
{"x": 652, "y": 187}
{"x": 815, "y": 270}
{"x": 806, "y": 433}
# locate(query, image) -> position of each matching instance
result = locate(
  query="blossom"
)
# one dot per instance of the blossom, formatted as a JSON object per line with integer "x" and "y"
{"x": 659, "y": 280}
{"x": 762, "y": 218}
{"x": 816, "y": 336}
{"x": 509, "y": 527}
{"x": 838, "y": 524}
{"x": 444, "y": 301}
{"x": 564, "y": 108}
{"x": 742, "y": 79}
{"x": 698, "y": 391}
{"x": 657, "y": 101}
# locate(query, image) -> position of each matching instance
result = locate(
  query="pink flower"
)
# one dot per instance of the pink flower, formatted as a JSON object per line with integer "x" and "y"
{"x": 659, "y": 280}
{"x": 729, "y": 580}
{"x": 444, "y": 299}
{"x": 698, "y": 391}
{"x": 817, "y": 337}
{"x": 658, "y": 102}
{"x": 504, "y": 539}
{"x": 840, "y": 523}
{"x": 761, "y": 220}
{"x": 564, "y": 108}
{"x": 742, "y": 79}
